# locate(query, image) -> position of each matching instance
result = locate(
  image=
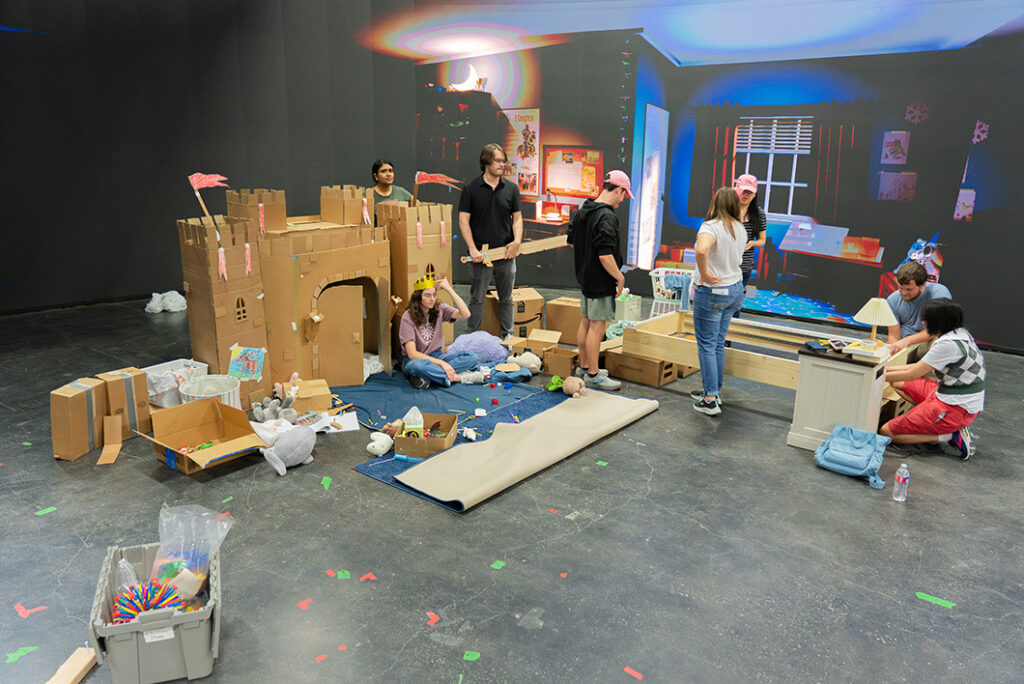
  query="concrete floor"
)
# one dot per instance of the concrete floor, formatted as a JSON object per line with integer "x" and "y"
{"x": 706, "y": 550}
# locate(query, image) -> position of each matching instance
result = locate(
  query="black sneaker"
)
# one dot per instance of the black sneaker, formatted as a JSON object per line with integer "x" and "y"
{"x": 699, "y": 394}
{"x": 709, "y": 408}
{"x": 964, "y": 441}
{"x": 418, "y": 383}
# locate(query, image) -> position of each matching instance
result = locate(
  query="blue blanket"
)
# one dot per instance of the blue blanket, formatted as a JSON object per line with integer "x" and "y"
{"x": 382, "y": 399}
{"x": 387, "y": 467}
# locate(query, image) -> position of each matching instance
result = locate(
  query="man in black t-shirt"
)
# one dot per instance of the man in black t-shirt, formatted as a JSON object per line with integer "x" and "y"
{"x": 490, "y": 213}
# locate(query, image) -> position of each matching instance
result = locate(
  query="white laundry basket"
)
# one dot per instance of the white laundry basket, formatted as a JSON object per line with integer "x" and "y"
{"x": 224, "y": 387}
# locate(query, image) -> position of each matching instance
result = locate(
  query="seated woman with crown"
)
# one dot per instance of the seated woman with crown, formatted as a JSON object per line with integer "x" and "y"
{"x": 422, "y": 337}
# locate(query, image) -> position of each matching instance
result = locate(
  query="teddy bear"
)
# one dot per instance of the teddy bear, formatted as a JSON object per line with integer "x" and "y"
{"x": 291, "y": 449}
{"x": 573, "y": 386}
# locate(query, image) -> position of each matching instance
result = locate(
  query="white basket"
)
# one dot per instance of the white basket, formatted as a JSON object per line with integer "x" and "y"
{"x": 183, "y": 370}
{"x": 226, "y": 388}
{"x": 670, "y": 299}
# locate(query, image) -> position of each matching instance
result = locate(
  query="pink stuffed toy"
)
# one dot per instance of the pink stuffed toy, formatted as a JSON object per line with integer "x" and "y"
{"x": 573, "y": 386}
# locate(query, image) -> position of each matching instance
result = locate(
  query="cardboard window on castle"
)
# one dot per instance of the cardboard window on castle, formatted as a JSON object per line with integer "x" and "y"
{"x": 240, "y": 314}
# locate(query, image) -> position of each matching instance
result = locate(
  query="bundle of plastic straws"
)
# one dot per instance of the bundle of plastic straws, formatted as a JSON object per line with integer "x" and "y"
{"x": 150, "y": 595}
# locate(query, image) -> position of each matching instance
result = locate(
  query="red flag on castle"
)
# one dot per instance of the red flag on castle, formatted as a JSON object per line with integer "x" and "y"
{"x": 423, "y": 178}
{"x": 198, "y": 181}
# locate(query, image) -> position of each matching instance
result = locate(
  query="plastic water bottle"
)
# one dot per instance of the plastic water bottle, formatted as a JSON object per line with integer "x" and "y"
{"x": 900, "y": 483}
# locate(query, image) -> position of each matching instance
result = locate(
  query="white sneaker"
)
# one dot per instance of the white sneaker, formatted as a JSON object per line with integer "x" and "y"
{"x": 601, "y": 382}
{"x": 580, "y": 372}
{"x": 699, "y": 394}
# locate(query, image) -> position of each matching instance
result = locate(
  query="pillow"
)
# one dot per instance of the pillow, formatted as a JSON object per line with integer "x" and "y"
{"x": 487, "y": 347}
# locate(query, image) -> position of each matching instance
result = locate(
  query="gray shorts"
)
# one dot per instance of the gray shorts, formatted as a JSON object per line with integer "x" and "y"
{"x": 600, "y": 309}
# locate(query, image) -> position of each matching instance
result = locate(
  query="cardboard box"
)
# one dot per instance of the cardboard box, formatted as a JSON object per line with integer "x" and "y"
{"x": 563, "y": 314}
{"x": 128, "y": 396}
{"x": 310, "y": 395}
{"x": 629, "y": 309}
{"x": 638, "y": 369}
{"x": 538, "y": 342}
{"x": 76, "y": 417}
{"x": 199, "y": 422}
{"x": 527, "y": 312}
{"x": 561, "y": 362}
{"x": 421, "y": 447}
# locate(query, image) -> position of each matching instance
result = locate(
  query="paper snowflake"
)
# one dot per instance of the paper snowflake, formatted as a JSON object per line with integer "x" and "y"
{"x": 980, "y": 131}
{"x": 916, "y": 112}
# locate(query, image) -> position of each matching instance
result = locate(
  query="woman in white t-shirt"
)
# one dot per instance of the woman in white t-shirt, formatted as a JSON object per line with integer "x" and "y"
{"x": 943, "y": 408}
{"x": 717, "y": 292}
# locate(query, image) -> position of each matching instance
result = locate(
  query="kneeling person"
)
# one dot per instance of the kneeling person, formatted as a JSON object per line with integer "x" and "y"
{"x": 945, "y": 408}
{"x": 422, "y": 336}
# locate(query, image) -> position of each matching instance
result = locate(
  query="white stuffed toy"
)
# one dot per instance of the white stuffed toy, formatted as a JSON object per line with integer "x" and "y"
{"x": 382, "y": 442}
{"x": 292, "y": 448}
{"x": 527, "y": 360}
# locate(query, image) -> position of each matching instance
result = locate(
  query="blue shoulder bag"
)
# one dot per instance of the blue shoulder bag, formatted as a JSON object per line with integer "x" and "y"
{"x": 853, "y": 452}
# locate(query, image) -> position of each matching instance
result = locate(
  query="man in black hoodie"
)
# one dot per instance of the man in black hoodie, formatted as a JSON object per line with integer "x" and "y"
{"x": 597, "y": 246}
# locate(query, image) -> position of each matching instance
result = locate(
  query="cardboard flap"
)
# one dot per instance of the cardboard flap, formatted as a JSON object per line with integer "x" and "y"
{"x": 384, "y": 325}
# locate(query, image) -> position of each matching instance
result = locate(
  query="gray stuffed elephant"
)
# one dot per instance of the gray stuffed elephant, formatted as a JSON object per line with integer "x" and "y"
{"x": 291, "y": 449}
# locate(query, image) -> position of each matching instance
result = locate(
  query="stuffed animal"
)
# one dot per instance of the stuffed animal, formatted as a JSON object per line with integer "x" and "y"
{"x": 381, "y": 442}
{"x": 291, "y": 449}
{"x": 279, "y": 388}
{"x": 272, "y": 409}
{"x": 527, "y": 360}
{"x": 573, "y": 386}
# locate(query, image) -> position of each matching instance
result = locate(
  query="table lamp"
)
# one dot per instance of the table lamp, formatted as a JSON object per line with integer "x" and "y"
{"x": 875, "y": 313}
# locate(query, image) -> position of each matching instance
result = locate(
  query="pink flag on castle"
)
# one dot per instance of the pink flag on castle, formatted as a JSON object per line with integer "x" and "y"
{"x": 423, "y": 178}
{"x": 207, "y": 180}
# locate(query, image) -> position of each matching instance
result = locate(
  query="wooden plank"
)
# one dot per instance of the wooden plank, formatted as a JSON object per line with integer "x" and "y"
{"x": 75, "y": 667}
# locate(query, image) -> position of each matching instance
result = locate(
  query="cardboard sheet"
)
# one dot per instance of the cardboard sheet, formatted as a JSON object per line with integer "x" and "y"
{"x": 112, "y": 426}
{"x": 467, "y": 474}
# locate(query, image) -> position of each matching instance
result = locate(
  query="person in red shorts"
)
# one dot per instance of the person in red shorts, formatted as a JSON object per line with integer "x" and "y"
{"x": 944, "y": 408}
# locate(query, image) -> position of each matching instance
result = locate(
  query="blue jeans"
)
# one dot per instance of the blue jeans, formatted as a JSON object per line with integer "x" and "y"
{"x": 713, "y": 308}
{"x": 422, "y": 368}
{"x": 746, "y": 279}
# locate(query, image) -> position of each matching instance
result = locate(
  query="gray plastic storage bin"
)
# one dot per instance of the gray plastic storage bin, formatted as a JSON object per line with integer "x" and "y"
{"x": 158, "y": 645}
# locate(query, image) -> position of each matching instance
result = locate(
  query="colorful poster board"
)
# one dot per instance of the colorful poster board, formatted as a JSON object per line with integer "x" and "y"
{"x": 571, "y": 171}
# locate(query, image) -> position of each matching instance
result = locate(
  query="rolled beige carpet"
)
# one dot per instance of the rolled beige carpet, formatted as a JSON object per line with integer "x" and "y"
{"x": 467, "y": 474}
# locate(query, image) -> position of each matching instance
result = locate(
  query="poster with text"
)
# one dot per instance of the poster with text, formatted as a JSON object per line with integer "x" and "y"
{"x": 523, "y": 150}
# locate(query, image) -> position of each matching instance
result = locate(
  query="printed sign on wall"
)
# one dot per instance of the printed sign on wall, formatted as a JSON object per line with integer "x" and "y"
{"x": 523, "y": 150}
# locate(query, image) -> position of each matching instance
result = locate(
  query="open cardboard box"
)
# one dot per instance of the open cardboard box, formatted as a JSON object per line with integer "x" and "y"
{"x": 421, "y": 447}
{"x": 199, "y": 422}
{"x": 538, "y": 342}
{"x": 310, "y": 395}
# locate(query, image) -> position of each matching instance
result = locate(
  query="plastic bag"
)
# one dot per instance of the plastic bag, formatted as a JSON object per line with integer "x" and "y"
{"x": 125, "y": 576}
{"x": 189, "y": 536}
{"x": 413, "y": 423}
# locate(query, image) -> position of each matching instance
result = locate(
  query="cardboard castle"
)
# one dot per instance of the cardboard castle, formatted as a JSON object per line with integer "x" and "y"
{"x": 317, "y": 292}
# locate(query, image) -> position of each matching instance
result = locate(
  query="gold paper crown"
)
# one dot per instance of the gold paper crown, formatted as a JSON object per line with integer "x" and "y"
{"x": 423, "y": 283}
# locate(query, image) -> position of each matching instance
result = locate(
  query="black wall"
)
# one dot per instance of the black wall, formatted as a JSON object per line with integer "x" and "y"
{"x": 108, "y": 107}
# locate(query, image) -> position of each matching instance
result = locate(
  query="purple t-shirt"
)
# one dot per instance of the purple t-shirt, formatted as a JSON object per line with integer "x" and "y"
{"x": 428, "y": 338}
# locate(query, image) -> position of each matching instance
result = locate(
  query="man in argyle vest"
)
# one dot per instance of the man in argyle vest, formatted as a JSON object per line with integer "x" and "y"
{"x": 943, "y": 408}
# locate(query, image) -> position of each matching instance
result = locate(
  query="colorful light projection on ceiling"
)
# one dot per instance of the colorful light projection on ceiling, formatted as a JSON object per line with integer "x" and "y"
{"x": 512, "y": 78}
{"x": 697, "y": 31}
{"x": 430, "y": 36}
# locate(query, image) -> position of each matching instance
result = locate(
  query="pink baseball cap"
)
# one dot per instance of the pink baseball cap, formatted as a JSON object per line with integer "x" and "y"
{"x": 745, "y": 182}
{"x": 619, "y": 179}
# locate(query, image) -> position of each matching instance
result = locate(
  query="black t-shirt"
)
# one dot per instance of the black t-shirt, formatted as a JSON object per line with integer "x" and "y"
{"x": 490, "y": 210}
